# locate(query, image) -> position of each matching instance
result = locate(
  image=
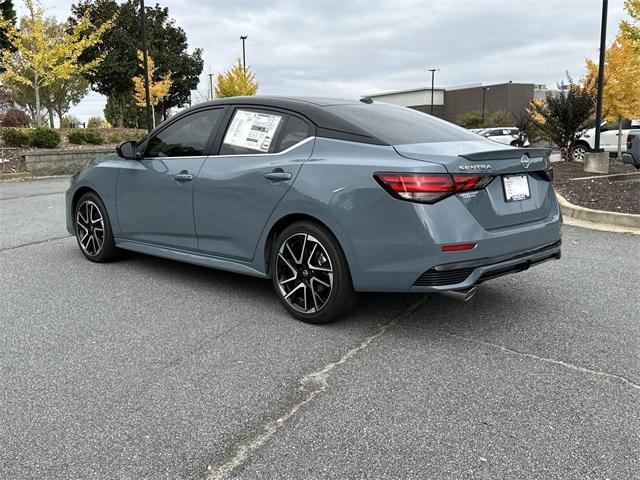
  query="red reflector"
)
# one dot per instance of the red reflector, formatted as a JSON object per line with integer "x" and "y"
{"x": 457, "y": 247}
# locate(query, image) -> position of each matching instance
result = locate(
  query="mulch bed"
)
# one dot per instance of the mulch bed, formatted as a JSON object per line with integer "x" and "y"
{"x": 613, "y": 195}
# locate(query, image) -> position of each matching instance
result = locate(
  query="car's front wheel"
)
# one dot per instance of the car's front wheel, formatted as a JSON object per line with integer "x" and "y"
{"x": 578, "y": 152}
{"x": 310, "y": 274}
{"x": 93, "y": 229}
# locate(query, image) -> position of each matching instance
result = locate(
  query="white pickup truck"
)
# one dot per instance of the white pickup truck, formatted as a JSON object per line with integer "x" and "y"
{"x": 608, "y": 139}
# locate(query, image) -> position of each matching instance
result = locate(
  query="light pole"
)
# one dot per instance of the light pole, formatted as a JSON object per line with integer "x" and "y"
{"x": 433, "y": 76}
{"x": 210, "y": 86}
{"x": 145, "y": 64}
{"x": 244, "y": 56}
{"x": 603, "y": 41}
{"x": 484, "y": 96}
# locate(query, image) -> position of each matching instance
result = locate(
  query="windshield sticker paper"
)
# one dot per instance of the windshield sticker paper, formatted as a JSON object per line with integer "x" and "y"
{"x": 253, "y": 130}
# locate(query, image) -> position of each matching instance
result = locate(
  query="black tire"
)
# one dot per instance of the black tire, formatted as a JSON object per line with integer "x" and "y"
{"x": 86, "y": 213}
{"x": 322, "y": 253}
{"x": 578, "y": 151}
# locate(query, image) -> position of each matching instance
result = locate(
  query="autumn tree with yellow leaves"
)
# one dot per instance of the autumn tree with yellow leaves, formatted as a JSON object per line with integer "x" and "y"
{"x": 158, "y": 89}
{"x": 621, "y": 92}
{"x": 631, "y": 28}
{"x": 38, "y": 60}
{"x": 237, "y": 81}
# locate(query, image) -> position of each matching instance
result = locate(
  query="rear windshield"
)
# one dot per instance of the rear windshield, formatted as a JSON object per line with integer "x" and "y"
{"x": 400, "y": 125}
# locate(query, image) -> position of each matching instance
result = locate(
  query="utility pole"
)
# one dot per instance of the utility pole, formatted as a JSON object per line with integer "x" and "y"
{"x": 433, "y": 75}
{"x": 244, "y": 55}
{"x": 484, "y": 96}
{"x": 145, "y": 63}
{"x": 603, "y": 47}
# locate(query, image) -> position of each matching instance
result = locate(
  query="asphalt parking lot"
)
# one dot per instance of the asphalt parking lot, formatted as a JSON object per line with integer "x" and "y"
{"x": 147, "y": 368}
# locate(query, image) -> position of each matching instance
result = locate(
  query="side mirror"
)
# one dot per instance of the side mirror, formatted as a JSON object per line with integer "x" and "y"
{"x": 127, "y": 150}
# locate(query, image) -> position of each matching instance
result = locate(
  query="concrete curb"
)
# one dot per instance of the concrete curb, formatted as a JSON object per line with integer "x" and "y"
{"x": 15, "y": 175}
{"x": 609, "y": 221}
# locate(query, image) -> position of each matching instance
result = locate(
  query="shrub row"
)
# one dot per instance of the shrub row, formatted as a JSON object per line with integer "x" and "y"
{"x": 79, "y": 136}
{"x": 40, "y": 137}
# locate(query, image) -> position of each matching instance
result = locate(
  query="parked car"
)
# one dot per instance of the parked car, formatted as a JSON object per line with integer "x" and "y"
{"x": 324, "y": 197}
{"x": 506, "y": 135}
{"x": 632, "y": 155}
{"x": 608, "y": 138}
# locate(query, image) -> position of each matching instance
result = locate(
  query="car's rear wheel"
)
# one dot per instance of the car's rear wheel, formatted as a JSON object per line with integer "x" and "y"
{"x": 310, "y": 274}
{"x": 93, "y": 229}
{"x": 578, "y": 152}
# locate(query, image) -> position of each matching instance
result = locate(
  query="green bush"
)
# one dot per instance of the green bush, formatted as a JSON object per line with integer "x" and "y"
{"x": 16, "y": 137}
{"x": 118, "y": 136}
{"x": 43, "y": 137}
{"x": 79, "y": 136}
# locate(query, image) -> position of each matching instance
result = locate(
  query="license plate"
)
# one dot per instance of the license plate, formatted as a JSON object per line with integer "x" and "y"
{"x": 516, "y": 187}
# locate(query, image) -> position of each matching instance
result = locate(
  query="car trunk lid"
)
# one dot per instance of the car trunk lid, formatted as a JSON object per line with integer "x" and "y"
{"x": 490, "y": 206}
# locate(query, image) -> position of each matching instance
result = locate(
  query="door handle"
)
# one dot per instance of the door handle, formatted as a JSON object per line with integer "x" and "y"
{"x": 277, "y": 176}
{"x": 183, "y": 177}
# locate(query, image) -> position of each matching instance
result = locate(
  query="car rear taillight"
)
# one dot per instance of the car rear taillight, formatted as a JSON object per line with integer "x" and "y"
{"x": 429, "y": 187}
{"x": 630, "y": 138}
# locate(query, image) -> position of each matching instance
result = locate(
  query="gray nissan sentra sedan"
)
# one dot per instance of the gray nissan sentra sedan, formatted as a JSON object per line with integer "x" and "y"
{"x": 325, "y": 197}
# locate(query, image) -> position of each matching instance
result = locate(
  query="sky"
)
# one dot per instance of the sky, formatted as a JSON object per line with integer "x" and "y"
{"x": 350, "y": 48}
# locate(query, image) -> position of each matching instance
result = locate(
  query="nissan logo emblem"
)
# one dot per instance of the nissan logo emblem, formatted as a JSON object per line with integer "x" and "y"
{"x": 524, "y": 161}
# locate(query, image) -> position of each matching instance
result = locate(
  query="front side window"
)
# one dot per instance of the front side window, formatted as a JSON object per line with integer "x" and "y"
{"x": 252, "y": 132}
{"x": 187, "y": 137}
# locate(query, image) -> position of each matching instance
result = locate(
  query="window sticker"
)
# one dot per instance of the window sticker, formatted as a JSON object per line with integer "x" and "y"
{"x": 253, "y": 130}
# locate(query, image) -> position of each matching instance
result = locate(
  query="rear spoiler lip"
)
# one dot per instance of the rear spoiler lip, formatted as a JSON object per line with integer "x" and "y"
{"x": 507, "y": 154}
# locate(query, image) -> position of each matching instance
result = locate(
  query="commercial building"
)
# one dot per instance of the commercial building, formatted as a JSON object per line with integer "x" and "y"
{"x": 449, "y": 103}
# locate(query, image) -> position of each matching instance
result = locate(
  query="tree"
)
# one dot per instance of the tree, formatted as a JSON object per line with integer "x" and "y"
{"x": 236, "y": 81}
{"x": 158, "y": 89}
{"x": 470, "y": 119}
{"x": 499, "y": 118}
{"x": 562, "y": 117}
{"x": 61, "y": 95}
{"x": 124, "y": 113}
{"x": 631, "y": 29}
{"x": 621, "y": 93}
{"x": 8, "y": 13}
{"x": 39, "y": 60}
{"x": 166, "y": 42}
{"x": 15, "y": 118}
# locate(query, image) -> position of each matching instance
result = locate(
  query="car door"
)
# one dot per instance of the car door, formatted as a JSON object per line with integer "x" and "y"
{"x": 259, "y": 157}
{"x": 609, "y": 137}
{"x": 154, "y": 195}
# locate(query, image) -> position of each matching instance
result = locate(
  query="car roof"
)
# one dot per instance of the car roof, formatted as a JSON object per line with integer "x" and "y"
{"x": 313, "y": 108}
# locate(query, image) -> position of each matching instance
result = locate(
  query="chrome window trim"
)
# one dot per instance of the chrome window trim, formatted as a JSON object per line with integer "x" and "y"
{"x": 299, "y": 144}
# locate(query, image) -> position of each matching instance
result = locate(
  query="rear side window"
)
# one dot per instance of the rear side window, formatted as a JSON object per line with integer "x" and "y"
{"x": 295, "y": 131}
{"x": 400, "y": 125}
{"x": 252, "y": 132}
{"x": 186, "y": 137}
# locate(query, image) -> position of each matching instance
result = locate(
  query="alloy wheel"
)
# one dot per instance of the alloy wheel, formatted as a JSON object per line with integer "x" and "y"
{"x": 579, "y": 153}
{"x": 304, "y": 273}
{"x": 90, "y": 228}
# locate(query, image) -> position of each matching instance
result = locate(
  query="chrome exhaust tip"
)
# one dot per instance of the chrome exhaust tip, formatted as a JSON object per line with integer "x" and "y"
{"x": 462, "y": 295}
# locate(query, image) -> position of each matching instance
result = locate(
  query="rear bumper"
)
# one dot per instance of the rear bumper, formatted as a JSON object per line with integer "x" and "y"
{"x": 463, "y": 275}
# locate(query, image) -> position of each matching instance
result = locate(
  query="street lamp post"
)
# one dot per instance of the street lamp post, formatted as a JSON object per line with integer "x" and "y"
{"x": 244, "y": 56}
{"x": 484, "y": 96}
{"x": 145, "y": 65}
{"x": 433, "y": 75}
{"x": 603, "y": 41}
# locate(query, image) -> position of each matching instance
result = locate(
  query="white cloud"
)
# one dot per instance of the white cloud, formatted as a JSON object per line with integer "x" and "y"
{"x": 349, "y": 48}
